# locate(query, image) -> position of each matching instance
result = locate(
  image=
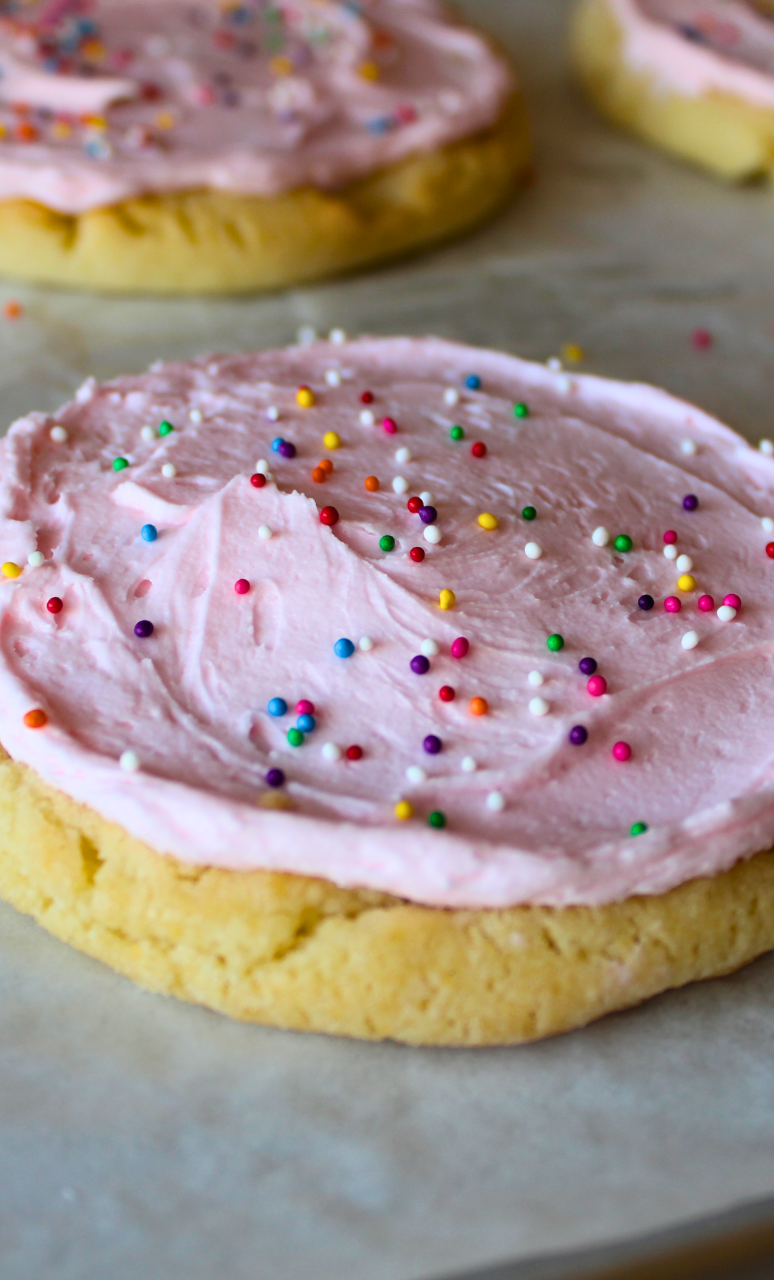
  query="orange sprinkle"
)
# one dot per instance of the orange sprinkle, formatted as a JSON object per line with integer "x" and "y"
{"x": 319, "y": 475}
{"x": 478, "y": 706}
{"x": 327, "y": 465}
{"x": 372, "y": 484}
{"x": 12, "y": 310}
{"x": 26, "y": 132}
{"x": 36, "y": 719}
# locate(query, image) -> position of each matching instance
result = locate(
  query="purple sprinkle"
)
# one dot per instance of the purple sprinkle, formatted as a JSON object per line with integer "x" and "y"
{"x": 275, "y": 778}
{"x": 588, "y": 666}
{"x": 420, "y": 665}
{"x": 432, "y": 745}
{"x": 428, "y": 515}
{"x": 143, "y": 629}
{"x": 690, "y": 502}
{"x": 578, "y": 735}
{"x": 286, "y": 449}
{"x": 646, "y": 602}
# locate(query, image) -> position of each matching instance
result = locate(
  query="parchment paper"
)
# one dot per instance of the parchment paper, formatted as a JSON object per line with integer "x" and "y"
{"x": 141, "y": 1139}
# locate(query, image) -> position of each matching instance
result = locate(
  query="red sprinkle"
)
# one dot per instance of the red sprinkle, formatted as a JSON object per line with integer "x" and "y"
{"x": 329, "y": 516}
{"x": 670, "y": 536}
{"x": 460, "y": 647}
{"x": 55, "y": 605}
{"x": 447, "y": 694}
{"x": 418, "y": 554}
{"x": 258, "y": 481}
{"x": 672, "y": 604}
{"x": 478, "y": 449}
{"x": 242, "y": 586}
{"x": 706, "y": 604}
{"x": 305, "y": 707}
{"x": 770, "y": 550}
{"x": 367, "y": 397}
{"x": 354, "y": 753}
{"x": 390, "y": 426}
{"x": 596, "y": 686}
{"x": 414, "y": 505}
{"x": 732, "y": 600}
{"x": 702, "y": 339}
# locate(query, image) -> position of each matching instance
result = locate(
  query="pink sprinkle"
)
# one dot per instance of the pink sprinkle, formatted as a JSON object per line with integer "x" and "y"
{"x": 622, "y": 751}
{"x": 390, "y": 426}
{"x": 670, "y": 536}
{"x": 596, "y": 686}
{"x": 702, "y": 339}
{"x": 460, "y": 647}
{"x": 672, "y": 604}
{"x": 733, "y": 601}
{"x": 305, "y": 707}
{"x": 242, "y": 587}
{"x": 706, "y": 604}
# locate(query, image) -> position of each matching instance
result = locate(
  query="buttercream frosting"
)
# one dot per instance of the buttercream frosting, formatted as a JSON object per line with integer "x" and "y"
{"x": 696, "y": 47}
{"x": 531, "y": 816}
{"x": 103, "y": 100}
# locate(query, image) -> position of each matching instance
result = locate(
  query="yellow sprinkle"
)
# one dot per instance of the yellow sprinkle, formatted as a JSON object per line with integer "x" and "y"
{"x": 305, "y": 397}
{"x": 487, "y": 520}
{"x": 61, "y": 129}
{"x": 165, "y": 120}
{"x": 687, "y": 582}
{"x": 275, "y": 800}
{"x": 332, "y": 440}
{"x": 404, "y": 810}
{"x": 281, "y": 66}
{"x": 93, "y": 50}
{"x": 11, "y": 570}
{"x": 447, "y": 599}
{"x": 3, "y": 131}
{"x": 572, "y": 352}
{"x": 96, "y": 122}
{"x": 369, "y": 70}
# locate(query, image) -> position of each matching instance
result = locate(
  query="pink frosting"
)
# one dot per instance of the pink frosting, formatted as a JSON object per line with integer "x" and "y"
{"x": 102, "y": 101}
{"x": 701, "y": 46}
{"x": 539, "y": 819}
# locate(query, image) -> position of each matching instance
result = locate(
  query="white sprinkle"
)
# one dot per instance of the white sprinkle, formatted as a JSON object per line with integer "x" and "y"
{"x": 688, "y": 447}
{"x": 333, "y": 378}
{"x": 554, "y": 364}
{"x": 690, "y": 640}
{"x": 539, "y": 707}
{"x": 429, "y": 648}
{"x": 400, "y": 485}
{"x": 272, "y": 413}
{"x": 684, "y": 564}
{"x": 130, "y": 761}
{"x": 306, "y": 335}
{"x": 58, "y": 435}
{"x": 416, "y": 774}
{"x": 533, "y": 551}
{"x": 86, "y": 391}
{"x": 366, "y": 644}
{"x": 338, "y": 337}
{"x": 451, "y": 396}
{"x": 403, "y": 455}
{"x": 367, "y": 418}
{"x": 536, "y": 679}
{"x": 265, "y": 532}
{"x": 767, "y": 447}
{"x": 36, "y": 559}
{"x": 148, "y": 434}
{"x": 158, "y": 365}
{"x": 600, "y": 537}
{"x": 468, "y": 765}
{"x": 768, "y": 524}
{"x": 169, "y": 470}
{"x": 726, "y": 613}
{"x": 262, "y": 467}
{"x": 670, "y": 551}
{"x": 196, "y": 416}
{"x": 433, "y": 534}
{"x": 331, "y": 752}
{"x": 495, "y": 801}
{"x": 564, "y": 384}
{"x": 427, "y": 498}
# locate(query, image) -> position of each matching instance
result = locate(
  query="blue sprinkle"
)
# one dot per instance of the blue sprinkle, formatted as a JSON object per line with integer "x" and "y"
{"x": 275, "y": 444}
{"x": 473, "y": 382}
{"x": 306, "y": 724}
{"x": 343, "y": 648}
{"x": 149, "y": 532}
{"x": 277, "y": 707}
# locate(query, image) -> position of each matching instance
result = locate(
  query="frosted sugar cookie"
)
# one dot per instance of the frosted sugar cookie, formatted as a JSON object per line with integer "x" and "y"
{"x": 389, "y": 688}
{"x": 228, "y": 146}
{"x": 694, "y": 76}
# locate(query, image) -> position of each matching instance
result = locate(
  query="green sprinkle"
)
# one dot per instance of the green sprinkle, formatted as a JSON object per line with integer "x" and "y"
{"x": 521, "y": 410}
{"x": 623, "y": 542}
{"x": 555, "y": 643}
{"x": 437, "y": 819}
{"x": 529, "y": 513}
{"x": 295, "y": 738}
{"x": 457, "y": 433}
{"x": 119, "y": 464}
{"x": 387, "y": 543}
{"x": 639, "y": 828}
{"x": 165, "y": 428}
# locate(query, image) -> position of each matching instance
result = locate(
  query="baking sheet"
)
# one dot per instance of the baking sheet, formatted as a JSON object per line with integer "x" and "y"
{"x": 143, "y": 1138}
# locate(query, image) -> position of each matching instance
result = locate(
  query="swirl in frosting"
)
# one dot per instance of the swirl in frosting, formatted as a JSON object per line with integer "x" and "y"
{"x": 103, "y": 100}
